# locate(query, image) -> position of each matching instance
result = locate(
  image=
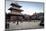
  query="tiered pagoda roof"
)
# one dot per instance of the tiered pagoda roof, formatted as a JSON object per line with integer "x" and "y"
{"x": 15, "y": 5}
{"x": 15, "y": 8}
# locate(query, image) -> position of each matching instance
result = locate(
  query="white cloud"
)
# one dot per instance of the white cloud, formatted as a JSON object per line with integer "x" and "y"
{"x": 28, "y": 11}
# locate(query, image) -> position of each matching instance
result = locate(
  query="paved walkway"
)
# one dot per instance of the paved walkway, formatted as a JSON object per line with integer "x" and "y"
{"x": 25, "y": 25}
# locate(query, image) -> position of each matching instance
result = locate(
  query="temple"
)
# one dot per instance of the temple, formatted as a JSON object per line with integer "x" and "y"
{"x": 15, "y": 14}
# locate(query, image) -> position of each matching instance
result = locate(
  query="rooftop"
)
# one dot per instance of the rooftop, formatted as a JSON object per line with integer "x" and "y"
{"x": 15, "y": 9}
{"x": 16, "y": 5}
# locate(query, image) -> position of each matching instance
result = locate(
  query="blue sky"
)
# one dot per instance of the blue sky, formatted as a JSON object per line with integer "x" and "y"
{"x": 28, "y": 7}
